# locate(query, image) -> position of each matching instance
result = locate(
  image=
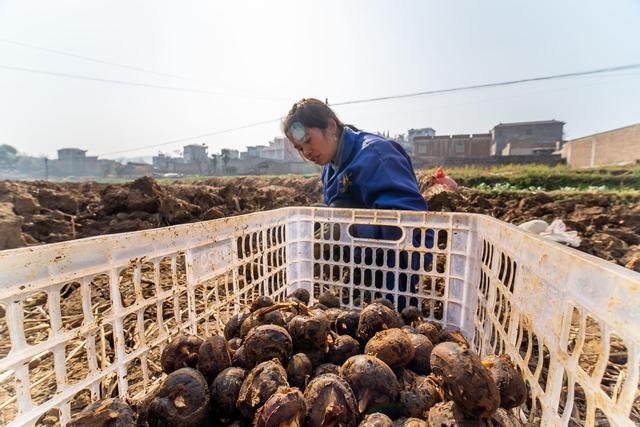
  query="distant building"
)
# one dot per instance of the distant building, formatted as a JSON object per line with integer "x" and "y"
{"x": 279, "y": 149}
{"x": 132, "y": 169}
{"x": 108, "y": 167}
{"x": 195, "y": 153}
{"x": 617, "y": 146}
{"x": 92, "y": 166}
{"x": 75, "y": 162}
{"x": 232, "y": 153}
{"x": 528, "y": 147}
{"x": 161, "y": 162}
{"x": 194, "y": 161}
{"x": 412, "y": 134}
{"x": 541, "y": 134}
{"x": 434, "y": 149}
{"x": 253, "y": 151}
{"x": 69, "y": 154}
{"x": 71, "y": 161}
{"x": 260, "y": 166}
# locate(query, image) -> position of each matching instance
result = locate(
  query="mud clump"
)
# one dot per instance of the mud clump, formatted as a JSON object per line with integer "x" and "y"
{"x": 181, "y": 399}
{"x": 262, "y": 316}
{"x": 11, "y": 228}
{"x": 301, "y": 295}
{"x": 452, "y": 334}
{"x": 182, "y": 352}
{"x": 235, "y": 343}
{"x": 341, "y": 348}
{"x": 372, "y": 381}
{"x": 420, "y": 397}
{"x": 299, "y": 370}
{"x": 332, "y": 315}
{"x": 410, "y": 422}
{"x": 309, "y": 330}
{"x": 347, "y": 323}
{"x": 422, "y": 347}
{"x": 330, "y": 402}
{"x": 329, "y": 299}
{"x": 430, "y": 330}
{"x": 376, "y": 420}
{"x": 214, "y": 356}
{"x": 259, "y": 385}
{"x": 465, "y": 380}
{"x": 411, "y": 315}
{"x": 261, "y": 302}
{"x": 393, "y": 346}
{"x": 513, "y": 390}
{"x": 232, "y": 327}
{"x": 49, "y": 212}
{"x": 111, "y": 412}
{"x": 447, "y": 414}
{"x": 268, "y": 342}
{"x": 326, "y": 368}
{"x": 375, "y": 318}
{"x": 225, "y": 390}
{"x": 286, "y": 407}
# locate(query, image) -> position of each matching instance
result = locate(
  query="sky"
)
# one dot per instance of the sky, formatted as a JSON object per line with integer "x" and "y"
{"x": 211, "y": 66}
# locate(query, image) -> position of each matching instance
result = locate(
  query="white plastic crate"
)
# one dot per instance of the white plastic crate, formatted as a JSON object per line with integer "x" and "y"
{"x": 87, "y": 319}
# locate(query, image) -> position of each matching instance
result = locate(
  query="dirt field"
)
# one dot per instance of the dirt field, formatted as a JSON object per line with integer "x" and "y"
{"x": 44, "y": 212}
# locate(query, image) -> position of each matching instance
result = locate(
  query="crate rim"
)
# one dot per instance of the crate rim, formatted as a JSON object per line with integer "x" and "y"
{"x": 375, "y": 213}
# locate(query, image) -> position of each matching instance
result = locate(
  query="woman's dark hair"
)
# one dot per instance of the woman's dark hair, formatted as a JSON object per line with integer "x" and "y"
{"x": 311, "y": 113}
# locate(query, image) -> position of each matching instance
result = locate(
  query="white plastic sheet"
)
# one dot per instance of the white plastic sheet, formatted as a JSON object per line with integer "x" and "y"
{"x": 556, "y": 231}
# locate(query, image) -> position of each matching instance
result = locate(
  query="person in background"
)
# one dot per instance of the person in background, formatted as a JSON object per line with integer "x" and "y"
{"x": 439, "y": 182}
{"x": 360, "y": 170}
{"x": 440, "y": 178}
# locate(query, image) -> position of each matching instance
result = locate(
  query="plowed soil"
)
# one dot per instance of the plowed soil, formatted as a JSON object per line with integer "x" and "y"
{"x": 39, "y": 212}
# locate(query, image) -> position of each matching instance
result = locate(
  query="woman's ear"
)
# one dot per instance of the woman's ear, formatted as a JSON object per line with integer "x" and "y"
{"x": 332, "y": 127}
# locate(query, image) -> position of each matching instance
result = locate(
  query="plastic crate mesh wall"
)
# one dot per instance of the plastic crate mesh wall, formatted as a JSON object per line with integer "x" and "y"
{"x": 85, "y": 320}
{"x": 544, "y": 305}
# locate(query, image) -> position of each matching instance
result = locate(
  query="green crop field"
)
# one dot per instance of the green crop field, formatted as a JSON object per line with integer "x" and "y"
{"x": 546, "y": 178}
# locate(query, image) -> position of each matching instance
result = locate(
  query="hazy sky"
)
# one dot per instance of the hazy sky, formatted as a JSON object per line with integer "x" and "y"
{"x": 275, "y": 52}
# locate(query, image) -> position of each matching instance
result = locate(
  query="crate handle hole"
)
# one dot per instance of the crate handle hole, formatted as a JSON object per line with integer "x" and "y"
{"x": 389, "y": 233}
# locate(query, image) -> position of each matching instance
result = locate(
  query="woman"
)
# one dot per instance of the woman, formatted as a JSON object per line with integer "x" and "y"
{"x": 361, "y": 170}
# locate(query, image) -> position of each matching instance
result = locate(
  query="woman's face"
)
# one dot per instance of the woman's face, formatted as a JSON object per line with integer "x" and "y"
{"x": 317, "y": 145}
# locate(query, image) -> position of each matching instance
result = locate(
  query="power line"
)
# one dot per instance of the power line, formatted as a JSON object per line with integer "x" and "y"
{"x": 175, "y": 141}
{"x": 462, "y": 88}
{"x": 529, "y": 94}
{"x": 486, "y": 85}
{"x": 139, "y": 84}
{"x": 88, "y": 58}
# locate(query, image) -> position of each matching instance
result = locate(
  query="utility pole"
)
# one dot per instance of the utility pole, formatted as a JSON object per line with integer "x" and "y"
{"x": 46, "y": 169}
